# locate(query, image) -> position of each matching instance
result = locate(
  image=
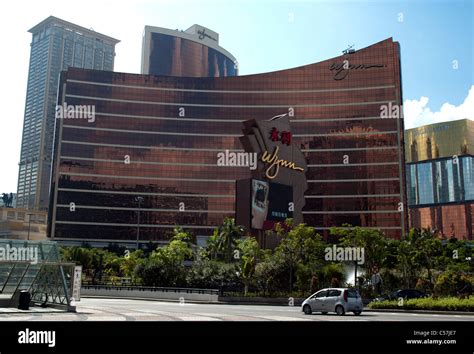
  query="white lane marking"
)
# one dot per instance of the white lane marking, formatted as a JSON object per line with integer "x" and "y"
{"x": 197, "y": 318}
{"x": 282, "y": 318}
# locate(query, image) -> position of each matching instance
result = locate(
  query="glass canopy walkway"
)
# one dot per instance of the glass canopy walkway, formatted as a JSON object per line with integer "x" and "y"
{"x": 34, "y": 266}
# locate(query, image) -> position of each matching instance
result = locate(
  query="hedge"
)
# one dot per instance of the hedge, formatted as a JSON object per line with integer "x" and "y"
{"x": 440, "y": 304}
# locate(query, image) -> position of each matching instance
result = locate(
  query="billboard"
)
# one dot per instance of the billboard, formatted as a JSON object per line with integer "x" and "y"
{"x": 279, "y": 175}
{"x": 271, "y": 203}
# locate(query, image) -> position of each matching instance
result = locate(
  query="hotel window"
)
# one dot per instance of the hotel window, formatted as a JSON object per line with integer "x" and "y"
{"x": 425, "y": 179}
{"x": 449, "y": 167}
{"x": 412, "y": 185}
{"x": 468, "y": 174}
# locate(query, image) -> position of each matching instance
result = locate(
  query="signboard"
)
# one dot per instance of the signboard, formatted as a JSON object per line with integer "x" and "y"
{"x": 76, "y": 283}
{"x": 271, "y": 203}
{"x": 276, "y": 190}
{"x": 342, "y": 70}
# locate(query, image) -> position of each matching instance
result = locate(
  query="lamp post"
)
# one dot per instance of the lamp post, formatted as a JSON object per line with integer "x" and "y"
{"x": 29, "y": 225}
{"x": 139, "y": 200}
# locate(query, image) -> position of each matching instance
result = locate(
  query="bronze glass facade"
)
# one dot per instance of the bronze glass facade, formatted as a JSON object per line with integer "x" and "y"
{"x": 175, "y": 56}
{"x": 192, "y": 53}
{"x": 440, "y": 177}
{"x": 158, "y": 137}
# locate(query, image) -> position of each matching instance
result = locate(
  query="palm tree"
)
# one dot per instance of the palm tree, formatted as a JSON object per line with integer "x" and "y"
{"x": 228, "y": 234}
{"x": 212, "y": 246}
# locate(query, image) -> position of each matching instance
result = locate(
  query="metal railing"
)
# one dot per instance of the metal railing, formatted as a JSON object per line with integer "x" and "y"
{"x": 153, "y": 289}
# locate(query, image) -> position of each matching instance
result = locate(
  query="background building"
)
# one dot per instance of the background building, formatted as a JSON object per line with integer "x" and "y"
{"x": 158, "y": 137}
{"x": 22, "y": 224}
{"x": 440, "y": 177}
{"x": 55, "y": 46}
{"x": 194, "y": 52}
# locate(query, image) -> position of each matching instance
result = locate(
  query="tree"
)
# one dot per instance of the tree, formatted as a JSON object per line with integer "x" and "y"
{"x": 212, "y": 246}
{"x": 247, "y": 271}
{"x": 454, "y": 282}
{"x": 228, "y": 234}
{"x": 91, "y": 259}
{"x": 212, "y": 274}
{"x": 165, "y": 265}
{"x": 427, "y": 252}
{"x": 271, "y": 275}
{"x": 373, "y": 242}
{"x": 302, "y": 247}
{"x": 250, "y": 253}
{"x": 130, "y": 263}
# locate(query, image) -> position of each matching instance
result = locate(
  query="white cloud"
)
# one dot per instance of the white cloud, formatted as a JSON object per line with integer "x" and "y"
{"x": 417, "y": 113}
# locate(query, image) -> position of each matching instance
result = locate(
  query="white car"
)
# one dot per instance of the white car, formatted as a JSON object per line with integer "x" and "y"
{"x": 338, "y": 300}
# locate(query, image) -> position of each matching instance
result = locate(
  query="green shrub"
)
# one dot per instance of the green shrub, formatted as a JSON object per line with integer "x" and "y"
{"x": 441, "y": 304}
{"x": 450, "y": 282}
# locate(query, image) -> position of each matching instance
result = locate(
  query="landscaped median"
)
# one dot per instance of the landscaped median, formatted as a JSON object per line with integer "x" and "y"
{"x": 440, "y": 304}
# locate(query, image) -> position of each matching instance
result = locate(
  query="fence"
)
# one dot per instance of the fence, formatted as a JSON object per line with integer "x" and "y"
{"x": 158, "y": 293}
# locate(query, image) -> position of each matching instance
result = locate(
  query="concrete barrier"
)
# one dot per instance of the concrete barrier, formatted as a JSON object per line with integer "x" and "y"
{"x": 278, "y": 301}
{"x": 116, "y": 292}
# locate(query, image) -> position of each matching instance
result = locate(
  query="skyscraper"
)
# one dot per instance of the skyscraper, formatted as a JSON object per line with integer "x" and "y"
{"x": 55, "y": 46}
{"x": 440, "y": 177}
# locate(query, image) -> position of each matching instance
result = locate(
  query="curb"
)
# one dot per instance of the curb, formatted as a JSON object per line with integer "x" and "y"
{"x": 423, "y": 312}
{"x": 144, "y": 299}
{"x": 29, "y": 312}
{"x": 191, "y": 301}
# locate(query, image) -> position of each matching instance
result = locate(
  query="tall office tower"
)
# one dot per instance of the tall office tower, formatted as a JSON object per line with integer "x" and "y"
{"x": 194, "y": 53}
{"x": 440, "y": 177}
{"x": 55, "y": 46}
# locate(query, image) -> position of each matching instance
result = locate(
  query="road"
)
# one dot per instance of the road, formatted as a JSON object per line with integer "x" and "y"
{"x": 95, "y": 309}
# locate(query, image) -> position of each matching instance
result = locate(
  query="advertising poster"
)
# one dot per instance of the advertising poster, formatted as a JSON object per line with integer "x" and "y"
{"x": 271, "y": 203}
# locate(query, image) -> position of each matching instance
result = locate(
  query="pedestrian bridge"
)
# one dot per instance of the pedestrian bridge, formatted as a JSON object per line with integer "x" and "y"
{"x": 36, "y": 267}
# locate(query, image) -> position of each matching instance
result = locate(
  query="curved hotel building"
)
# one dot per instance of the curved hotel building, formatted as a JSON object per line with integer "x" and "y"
{"x": 194, "y": 52}
{"x": 157, "y": 137}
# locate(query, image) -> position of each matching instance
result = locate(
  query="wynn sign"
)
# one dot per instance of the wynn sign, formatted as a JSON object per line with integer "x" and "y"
{"x": 276, "y": 190}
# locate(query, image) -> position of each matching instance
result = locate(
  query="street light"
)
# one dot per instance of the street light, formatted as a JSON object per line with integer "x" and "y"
{"x": 29, "y": 225}
{"x": 139, "y": 200}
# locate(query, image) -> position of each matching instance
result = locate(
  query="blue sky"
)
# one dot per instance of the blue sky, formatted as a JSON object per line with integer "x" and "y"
{"x": 271, "y": 35}
{"x": 264, "y": 36}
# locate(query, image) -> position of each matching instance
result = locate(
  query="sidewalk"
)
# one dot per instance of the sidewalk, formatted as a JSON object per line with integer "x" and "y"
{"x": 33, "y": 309}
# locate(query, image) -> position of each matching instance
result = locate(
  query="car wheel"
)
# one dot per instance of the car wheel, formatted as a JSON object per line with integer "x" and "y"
{"x": 357, "y": 313}
{"x": 340, "y": 310}
{"x": 307, "y": 310}
{"x": 324, "y": 312}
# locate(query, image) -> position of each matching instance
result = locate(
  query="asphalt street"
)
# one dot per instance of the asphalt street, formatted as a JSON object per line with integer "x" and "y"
{"x": 100, "y": 309}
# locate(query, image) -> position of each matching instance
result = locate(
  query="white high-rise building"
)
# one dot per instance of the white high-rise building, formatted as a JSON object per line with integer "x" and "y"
{"x": 55, "y": 46}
